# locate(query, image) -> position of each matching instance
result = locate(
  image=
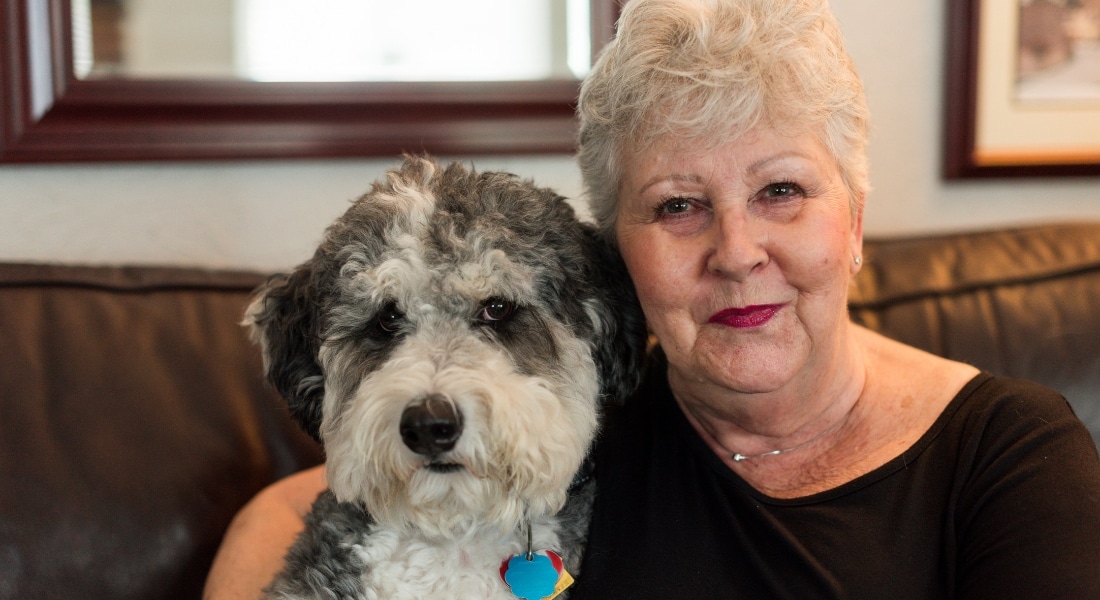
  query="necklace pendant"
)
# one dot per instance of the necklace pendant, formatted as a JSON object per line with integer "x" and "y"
{"x": 738, "y": 457}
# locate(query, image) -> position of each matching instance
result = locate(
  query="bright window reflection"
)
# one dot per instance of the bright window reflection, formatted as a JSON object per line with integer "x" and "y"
{"x": 334, "y": 40}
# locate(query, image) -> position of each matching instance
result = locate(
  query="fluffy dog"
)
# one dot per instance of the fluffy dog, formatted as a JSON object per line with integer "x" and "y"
{"x": 452, "y": 343}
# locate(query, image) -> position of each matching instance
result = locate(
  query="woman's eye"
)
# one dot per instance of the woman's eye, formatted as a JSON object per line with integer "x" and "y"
{"x": 496, "y": 309}
{"x": 674, "y": 206}
{"x": 783, "y": 189}
{"x": 390, "y": 318}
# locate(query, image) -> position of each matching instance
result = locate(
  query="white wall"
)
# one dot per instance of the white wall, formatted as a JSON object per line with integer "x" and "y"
{"x": 260, "y": 215}
{"x": 268, "y": 215}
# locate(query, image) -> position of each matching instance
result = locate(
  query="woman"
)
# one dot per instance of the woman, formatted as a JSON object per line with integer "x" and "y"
{"x": 776, "y": 449}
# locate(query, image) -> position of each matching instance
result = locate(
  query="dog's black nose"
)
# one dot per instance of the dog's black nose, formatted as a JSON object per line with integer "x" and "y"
{"x": 431, "y": 426}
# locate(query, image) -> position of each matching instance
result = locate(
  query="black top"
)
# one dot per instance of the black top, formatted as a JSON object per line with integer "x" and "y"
{"x": 999, "y": 499}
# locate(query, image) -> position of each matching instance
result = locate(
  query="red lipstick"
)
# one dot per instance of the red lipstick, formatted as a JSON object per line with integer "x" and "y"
{"x": 743, "y": 318}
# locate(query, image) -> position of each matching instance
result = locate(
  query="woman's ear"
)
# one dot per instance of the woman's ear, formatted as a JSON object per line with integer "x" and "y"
{"x": 856, "y": 235}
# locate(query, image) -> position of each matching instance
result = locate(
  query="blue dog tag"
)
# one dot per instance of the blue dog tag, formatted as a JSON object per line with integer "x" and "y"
{"x": 531, "y": 579}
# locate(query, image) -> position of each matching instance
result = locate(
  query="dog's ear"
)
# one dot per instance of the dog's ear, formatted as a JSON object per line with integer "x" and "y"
{"x": 284, "y": 320}
{"x": 620, "y": 345}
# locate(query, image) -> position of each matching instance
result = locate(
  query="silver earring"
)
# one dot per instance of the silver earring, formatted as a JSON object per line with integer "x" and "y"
{"x": 859, "y": 260}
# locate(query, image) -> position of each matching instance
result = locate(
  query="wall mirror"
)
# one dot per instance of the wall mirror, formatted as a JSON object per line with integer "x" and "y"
{"x": 110, "y": 80}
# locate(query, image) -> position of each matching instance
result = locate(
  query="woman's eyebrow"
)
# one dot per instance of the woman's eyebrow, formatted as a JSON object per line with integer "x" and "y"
{"x": 673, "y": 177}
{"x": 767, "y": 160}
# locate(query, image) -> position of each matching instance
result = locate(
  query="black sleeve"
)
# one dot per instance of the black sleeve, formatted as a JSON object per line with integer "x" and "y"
{"x": 1028, "y": 519}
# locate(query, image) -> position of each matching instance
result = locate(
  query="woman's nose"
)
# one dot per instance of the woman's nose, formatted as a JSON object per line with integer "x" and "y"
{"x": 738, "y": 246}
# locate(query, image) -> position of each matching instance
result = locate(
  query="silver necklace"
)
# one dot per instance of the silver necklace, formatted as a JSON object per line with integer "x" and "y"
{"x": 738, "y": 457}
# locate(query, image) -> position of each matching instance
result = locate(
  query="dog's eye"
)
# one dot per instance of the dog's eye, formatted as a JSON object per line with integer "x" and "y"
{"x": 496, "y": 309}
{"x": 390, "y": 318}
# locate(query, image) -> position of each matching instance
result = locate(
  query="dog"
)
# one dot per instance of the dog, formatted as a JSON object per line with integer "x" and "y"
{"x": 452, "y": 344}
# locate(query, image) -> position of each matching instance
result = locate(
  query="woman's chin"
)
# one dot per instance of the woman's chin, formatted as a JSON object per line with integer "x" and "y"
{"x": 754, "y": 367}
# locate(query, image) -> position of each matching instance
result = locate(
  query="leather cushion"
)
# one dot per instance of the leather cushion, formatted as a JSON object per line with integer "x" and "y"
{"x": 1021, "y": 302}
{"x": 135, "y": 424}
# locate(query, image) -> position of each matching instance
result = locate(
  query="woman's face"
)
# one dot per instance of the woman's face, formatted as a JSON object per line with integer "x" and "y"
{"x": 741, "y": 256}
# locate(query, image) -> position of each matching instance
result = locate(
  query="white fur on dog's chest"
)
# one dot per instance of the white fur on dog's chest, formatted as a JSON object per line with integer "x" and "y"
{"x": 403, "y": 566}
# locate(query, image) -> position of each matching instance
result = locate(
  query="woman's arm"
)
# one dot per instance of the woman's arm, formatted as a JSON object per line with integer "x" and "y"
{"x": 252, "y": 551}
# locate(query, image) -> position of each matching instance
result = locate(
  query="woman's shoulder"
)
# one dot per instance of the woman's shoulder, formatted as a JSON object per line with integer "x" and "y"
{"x": 912, "y": 371}
{"x": 1006, "y": 411}
{"x": 976, "y": 413}
{"x": 910, "y": 376}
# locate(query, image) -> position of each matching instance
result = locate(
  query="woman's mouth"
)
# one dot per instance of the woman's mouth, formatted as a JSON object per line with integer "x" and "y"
{"x": 749, "y": 316}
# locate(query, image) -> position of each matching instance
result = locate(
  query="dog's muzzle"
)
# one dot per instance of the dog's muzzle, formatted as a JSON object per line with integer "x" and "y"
{"x": 431, "y": 425}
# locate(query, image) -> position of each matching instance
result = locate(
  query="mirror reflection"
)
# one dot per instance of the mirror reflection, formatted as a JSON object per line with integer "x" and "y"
{"x": 332, "y": 40}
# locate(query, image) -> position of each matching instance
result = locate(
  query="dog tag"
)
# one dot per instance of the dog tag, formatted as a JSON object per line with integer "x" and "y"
{"x": 540, "y": 578}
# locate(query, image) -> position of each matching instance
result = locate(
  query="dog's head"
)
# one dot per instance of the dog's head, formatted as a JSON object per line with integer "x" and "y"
{"x": 451, "y": 343}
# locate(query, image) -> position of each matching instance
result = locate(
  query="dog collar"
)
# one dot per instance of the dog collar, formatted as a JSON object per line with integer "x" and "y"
{"x": 583, "y": 474}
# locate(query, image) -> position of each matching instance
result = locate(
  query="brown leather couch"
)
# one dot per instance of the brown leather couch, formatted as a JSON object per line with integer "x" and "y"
{"x": 134, "y": 421}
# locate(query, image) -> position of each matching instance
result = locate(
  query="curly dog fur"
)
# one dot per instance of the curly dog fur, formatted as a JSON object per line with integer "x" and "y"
{"x": 452, "y": 343}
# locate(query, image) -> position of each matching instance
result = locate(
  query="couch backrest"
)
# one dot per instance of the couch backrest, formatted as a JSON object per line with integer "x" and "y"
{"x": 135, "y": 422}
{"x": 1021, "y": 302}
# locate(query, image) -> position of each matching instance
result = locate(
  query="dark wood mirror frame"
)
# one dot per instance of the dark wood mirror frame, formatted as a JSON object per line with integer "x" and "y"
{"x": 48, "y": 115}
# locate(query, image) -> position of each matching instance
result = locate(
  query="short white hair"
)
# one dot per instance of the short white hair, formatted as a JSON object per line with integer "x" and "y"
{"x": 710, "y": 70}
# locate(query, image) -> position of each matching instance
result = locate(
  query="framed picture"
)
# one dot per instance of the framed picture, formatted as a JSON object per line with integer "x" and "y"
{"x": 1023, "y": 88}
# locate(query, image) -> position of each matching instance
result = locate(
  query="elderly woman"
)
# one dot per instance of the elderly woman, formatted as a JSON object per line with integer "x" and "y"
{"x": 776, "y": 450}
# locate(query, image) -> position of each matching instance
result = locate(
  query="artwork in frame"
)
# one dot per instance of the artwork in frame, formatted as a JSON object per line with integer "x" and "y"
{"x": 1023, "y": 88}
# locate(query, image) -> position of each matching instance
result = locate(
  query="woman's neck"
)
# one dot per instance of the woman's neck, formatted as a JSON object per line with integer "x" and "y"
{"x": 805, "y": 416}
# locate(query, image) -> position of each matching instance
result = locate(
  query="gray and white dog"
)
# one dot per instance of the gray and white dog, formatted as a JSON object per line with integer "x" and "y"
{"x": 452, "y": 343}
